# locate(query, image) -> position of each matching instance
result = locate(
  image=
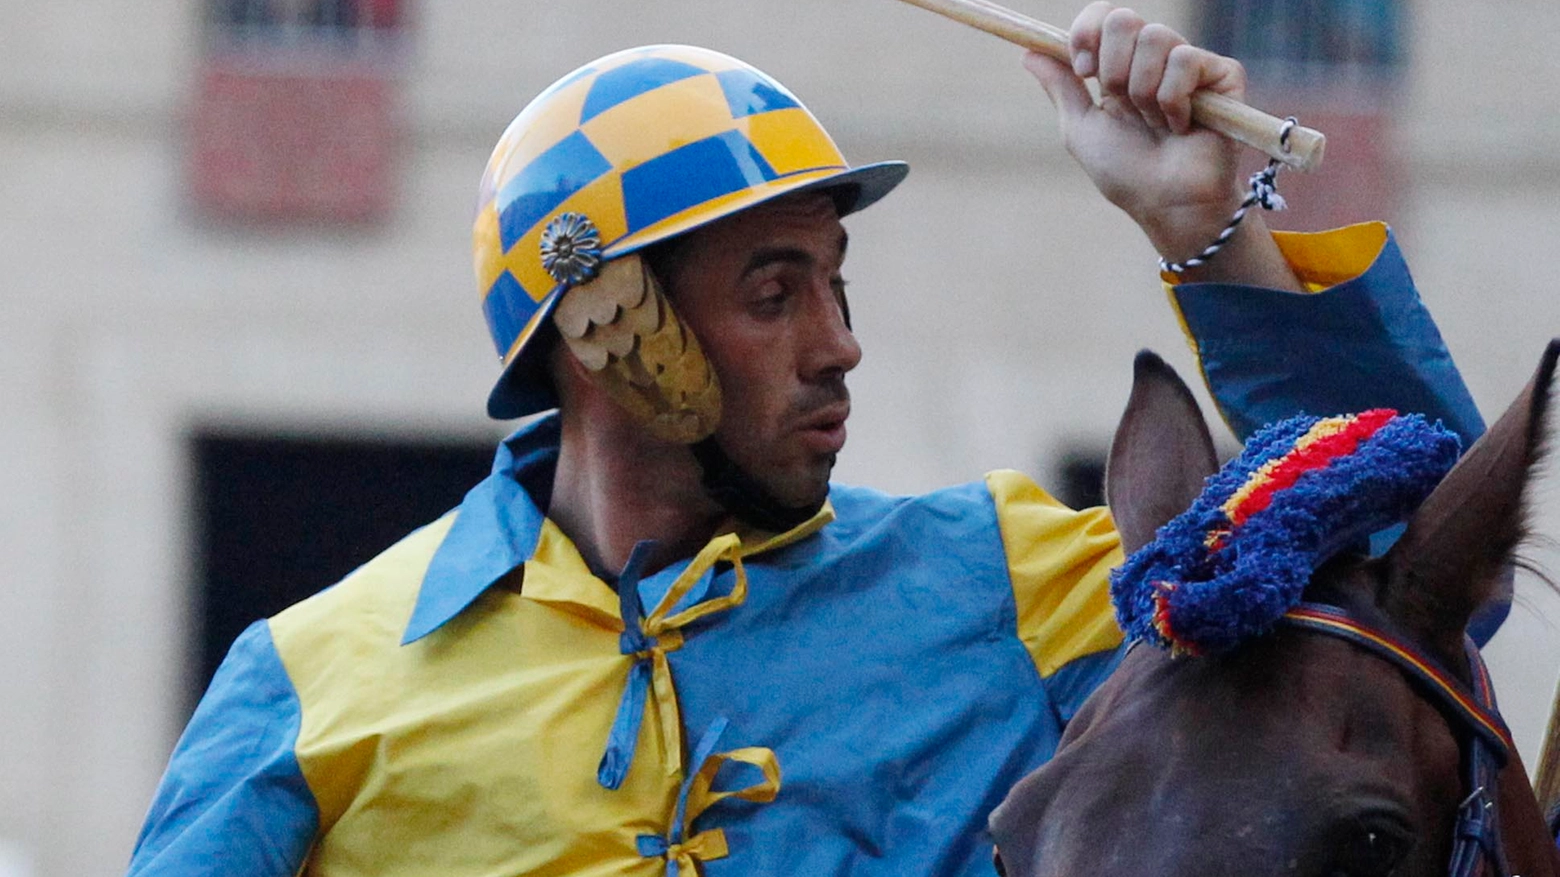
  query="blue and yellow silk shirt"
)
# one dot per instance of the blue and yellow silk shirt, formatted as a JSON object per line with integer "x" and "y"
{"x": 850, "y": 697}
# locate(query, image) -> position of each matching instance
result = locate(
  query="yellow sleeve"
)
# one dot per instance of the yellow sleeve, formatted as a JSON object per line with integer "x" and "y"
{"x": 1322, "y": 259}
{"x": 1059, "y": 561}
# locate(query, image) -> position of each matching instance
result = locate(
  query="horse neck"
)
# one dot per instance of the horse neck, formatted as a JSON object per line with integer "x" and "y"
{"x": 1530, "y": 849}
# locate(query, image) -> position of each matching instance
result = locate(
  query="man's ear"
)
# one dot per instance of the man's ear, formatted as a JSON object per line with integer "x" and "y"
{"x": 1451, "y": 557}
{"x": 1161, "y": 455}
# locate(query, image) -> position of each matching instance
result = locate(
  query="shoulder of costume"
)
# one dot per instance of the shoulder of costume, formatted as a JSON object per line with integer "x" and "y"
{"x": 869, "y": 500}
{"x": 370, "y": 607}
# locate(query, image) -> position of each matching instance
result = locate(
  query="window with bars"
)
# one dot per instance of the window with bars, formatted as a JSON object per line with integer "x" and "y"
{"x": 1307, "y": 41}
{"x": 1337, "y": 65}
{"x": 294, "y": 111}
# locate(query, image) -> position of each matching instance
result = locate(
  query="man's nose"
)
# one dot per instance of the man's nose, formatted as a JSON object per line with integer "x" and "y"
{"x": 832, "y": 347}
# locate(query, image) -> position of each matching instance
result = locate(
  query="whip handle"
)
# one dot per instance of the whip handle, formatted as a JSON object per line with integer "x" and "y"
{"x": 1216, "y": 112}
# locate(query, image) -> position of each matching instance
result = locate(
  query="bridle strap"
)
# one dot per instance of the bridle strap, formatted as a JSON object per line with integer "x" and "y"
{"x": 1477, "y": 836}
{"x": 1474, "y": 709}
{"x": 1478, "y": 825}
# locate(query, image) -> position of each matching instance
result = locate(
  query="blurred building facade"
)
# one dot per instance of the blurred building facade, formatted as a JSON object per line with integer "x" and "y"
{"x": 999, "y": 300}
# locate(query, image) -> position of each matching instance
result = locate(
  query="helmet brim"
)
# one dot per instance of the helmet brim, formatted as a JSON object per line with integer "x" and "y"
{"x": 870, "y": 182}
{"x": 524, "y": 388}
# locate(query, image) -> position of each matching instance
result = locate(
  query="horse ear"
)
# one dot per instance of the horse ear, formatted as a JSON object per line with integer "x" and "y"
{"x": 1456, "y": 547}
{"x": 1161, "y": 454}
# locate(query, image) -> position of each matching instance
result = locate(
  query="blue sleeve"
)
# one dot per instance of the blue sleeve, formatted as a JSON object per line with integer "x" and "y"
{"x": 1074, "y": 681}
{"x": 1367, "y": 342}
{"x": 233, "y": 800}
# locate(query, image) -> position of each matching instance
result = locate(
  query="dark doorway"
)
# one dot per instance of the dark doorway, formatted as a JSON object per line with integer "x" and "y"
{"x": 277, "y": 519}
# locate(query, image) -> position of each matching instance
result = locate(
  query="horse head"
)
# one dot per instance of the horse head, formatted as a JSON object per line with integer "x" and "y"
{"x": 1291, "y": 753}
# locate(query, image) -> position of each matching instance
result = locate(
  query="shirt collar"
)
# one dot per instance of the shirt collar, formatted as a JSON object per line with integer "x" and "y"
{"x": 495, "y": 529}
{"x": 499, "y": 525}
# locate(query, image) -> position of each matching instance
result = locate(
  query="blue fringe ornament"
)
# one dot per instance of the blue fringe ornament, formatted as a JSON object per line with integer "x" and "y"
{"x": 1304, "y": 489}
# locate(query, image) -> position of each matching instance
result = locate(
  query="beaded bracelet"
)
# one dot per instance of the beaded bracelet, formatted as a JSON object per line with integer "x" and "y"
{"x": 1264, "y": 191}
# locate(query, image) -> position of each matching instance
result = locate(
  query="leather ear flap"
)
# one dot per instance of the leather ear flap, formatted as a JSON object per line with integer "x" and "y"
{"x": 1451, "y": 557}
{"x": 622, "y": 328}
{"x": 1161, "y": 455}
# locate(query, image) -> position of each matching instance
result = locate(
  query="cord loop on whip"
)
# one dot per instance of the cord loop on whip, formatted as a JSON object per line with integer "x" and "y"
{"x": 1264, "y": 191}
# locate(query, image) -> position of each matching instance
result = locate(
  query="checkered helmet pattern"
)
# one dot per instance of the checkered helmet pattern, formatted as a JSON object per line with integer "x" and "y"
{"x": 645, "y": 144}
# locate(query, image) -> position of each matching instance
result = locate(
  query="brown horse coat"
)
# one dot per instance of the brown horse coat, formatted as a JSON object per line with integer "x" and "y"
{"x": 1296, "y": 754}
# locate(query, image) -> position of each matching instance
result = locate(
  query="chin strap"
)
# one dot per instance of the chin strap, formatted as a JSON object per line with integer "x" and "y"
{"x": 742, "y": 495}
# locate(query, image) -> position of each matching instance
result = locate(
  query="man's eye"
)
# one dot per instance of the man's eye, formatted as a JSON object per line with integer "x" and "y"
{"x": 770, "y": 297}
{"x": 774, "y": 297}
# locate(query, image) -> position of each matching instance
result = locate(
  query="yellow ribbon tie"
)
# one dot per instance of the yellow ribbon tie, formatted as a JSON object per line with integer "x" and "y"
{"x": 645, "y": 640}
{"x": 665, "y": 632}
{"x": 664, "y": 699}
{"x": 696, "y": 797}
{"x": 702, "y": 847}
{"x": 700, "y": 798}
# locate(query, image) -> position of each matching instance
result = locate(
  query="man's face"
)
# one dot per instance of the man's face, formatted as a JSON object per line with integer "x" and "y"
{"x": 762, "y": 291}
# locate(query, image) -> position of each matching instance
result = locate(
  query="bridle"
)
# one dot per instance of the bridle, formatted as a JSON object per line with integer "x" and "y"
{"x": 1476, "y": 841}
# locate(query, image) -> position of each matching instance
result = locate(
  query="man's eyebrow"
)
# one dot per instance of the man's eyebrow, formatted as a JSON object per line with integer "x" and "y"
{"x": 766, "y": 256}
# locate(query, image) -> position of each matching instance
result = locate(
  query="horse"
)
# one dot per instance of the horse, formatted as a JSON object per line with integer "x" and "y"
{"x": 1299, "y": 753}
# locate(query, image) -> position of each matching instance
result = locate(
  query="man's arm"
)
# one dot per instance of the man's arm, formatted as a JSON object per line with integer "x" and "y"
{"x": 1322, "y": 323}
{"x": 1180, "y": 184}
{"x": 1316, "y": 323}
{"x": 233, "y": 800}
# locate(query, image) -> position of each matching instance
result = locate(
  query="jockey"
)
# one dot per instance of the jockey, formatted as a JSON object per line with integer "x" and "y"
{"x": 657, "y": 639}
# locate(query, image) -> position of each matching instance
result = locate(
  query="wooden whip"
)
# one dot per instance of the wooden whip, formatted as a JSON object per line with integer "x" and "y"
{"x": 1546, "y": 781}
{"x": 1211, "y": 110}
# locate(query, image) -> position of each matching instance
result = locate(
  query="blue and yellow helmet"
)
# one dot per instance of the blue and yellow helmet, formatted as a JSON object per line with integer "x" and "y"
{"x": 643, "y": 144}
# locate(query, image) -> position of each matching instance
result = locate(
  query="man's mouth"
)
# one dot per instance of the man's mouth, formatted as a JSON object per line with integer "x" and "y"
{"x": 824, "y": 429}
